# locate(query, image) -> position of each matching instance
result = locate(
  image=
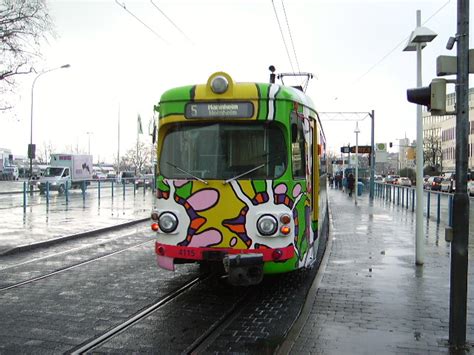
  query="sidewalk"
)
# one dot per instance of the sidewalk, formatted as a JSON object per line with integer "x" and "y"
{"x": 43, "y": 224}
{"x": 372, "y": 298}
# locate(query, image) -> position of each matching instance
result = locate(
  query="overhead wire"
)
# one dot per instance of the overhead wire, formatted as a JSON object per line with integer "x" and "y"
{"x": 139, "y": 20}
{"x": 171, "y": 21}
{"x": 283, "y": 37}
{"x": 398, "y": 45}
{"x": 291, "y": 37}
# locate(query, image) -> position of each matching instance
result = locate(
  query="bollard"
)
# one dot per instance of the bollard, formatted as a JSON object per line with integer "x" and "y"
{"x": 98, "y": 190}
{"x": 24, "y": 196}
{"x": 413, "y": 200}
{"x": 134, "y": 188}
{"x": 84, "y": 189}
{"x": 428, "y": 205}
{"x": 123, "y": 190}
{"x": 450, "y": 210}
{"x": 438, "y": 212}
{"x": 403, "y": 197}
{"x": 67, "y": 192}
{"x": 47, "y": 194}
{"x": 408, "y": 197}
{"x": 398, "y": 195}
{"x": 112, "y": 189}
{"x": 144, "y": 186}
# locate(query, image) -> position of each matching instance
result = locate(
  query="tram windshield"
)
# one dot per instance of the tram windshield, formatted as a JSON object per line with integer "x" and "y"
{"x": 224, "y": 151}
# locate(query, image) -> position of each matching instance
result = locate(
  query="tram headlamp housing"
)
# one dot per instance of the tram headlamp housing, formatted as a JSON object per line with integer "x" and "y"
{"x": 168, "y": 222}
{"x": 267, "y": 225}
{"x": 219, "y": 85}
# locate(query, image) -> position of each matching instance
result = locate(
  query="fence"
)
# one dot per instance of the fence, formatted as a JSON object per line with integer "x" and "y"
{"x": 105, "y": 185}
{"x": 405, "y": 197}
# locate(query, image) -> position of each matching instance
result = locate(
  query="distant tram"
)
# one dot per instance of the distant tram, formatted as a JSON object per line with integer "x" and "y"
{"x": 241, "y": 179}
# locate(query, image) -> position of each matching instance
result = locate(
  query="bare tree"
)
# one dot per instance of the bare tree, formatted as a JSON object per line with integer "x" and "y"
{"x": 23, "y": 25}
{"x": 44, "y": 153}
{"x": 137, "y": 158}
{"x": 432, "y": 152}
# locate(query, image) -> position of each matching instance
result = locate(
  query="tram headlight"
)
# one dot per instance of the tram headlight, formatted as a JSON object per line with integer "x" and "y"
{"x": 267, "y": 225}
{"x": 219, "y": 84}
{"x": 168, "y": 222}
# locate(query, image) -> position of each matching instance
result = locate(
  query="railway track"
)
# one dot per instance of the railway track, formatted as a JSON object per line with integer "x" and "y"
{"x": 66, "y": 268}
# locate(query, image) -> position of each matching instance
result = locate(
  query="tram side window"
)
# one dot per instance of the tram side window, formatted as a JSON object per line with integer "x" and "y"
{"x": 298, "y": 151}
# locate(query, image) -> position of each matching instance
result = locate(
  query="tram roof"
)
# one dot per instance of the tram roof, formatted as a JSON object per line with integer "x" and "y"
{"x": 241, "y": 91}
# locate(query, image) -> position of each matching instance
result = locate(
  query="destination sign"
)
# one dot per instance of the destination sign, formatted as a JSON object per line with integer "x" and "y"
{"x": 228, "y": 109}
{"x": 362, "y": 149}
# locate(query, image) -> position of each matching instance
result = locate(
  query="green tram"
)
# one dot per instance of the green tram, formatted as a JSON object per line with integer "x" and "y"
{"x": 241, "y": 179}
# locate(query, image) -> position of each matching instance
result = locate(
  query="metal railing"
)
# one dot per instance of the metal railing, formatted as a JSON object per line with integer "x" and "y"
{"x": 88, "y": 186}
{"x": 405, "y": 197}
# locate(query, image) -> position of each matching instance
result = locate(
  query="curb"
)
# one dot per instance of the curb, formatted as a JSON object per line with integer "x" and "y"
{"x": 46, "y": 243}
{"x": 298, "y": 325}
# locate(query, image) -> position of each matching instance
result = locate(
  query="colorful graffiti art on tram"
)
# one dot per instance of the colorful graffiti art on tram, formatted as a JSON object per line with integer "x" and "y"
{"x": 241, "y": 178}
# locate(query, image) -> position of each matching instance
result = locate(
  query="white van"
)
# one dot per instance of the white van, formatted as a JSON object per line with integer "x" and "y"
{"x": 11, "y": 172}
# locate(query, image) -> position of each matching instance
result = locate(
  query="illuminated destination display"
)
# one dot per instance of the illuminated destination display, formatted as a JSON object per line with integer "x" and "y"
{"x": 219, "y": 109}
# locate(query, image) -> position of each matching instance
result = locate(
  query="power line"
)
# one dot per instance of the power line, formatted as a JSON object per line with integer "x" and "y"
{"x": 398, "y": 45}
{"x": 143, "y": 23}
{"x": 175, "y": 26}
{"x": 283, "y": 37}
{"x": 291, "y": 37}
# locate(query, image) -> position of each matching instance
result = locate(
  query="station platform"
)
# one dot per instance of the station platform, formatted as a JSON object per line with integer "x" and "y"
{"x": 371, "y": 297}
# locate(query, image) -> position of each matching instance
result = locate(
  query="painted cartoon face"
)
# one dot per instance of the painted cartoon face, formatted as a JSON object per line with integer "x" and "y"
{"x": 239, "y": 206}
{"x": 272, "y": 202}
{"x": 189, "y": 231}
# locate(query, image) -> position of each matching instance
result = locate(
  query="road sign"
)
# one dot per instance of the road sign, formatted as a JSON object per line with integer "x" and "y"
{"x": 345, "y": 149}
{"x": 362, "y": 149}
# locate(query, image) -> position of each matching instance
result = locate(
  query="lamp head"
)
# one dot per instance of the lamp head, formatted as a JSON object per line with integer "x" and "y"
{"x": 422, "y": 35}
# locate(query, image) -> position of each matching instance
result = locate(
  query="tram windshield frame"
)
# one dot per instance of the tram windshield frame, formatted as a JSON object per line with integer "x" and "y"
{"x": 224, "y": 151}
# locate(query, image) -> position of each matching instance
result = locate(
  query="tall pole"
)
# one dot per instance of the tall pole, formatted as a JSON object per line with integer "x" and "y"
{"x": 372, "y": 157}
{"x": 419, "y": 247}
{"x": 460, "y": 243}
{"x": 89, "y": 142}
{"x": 356, "y": 183}
{"x": 31, "y": 150}
{"x": 118, "y": 141}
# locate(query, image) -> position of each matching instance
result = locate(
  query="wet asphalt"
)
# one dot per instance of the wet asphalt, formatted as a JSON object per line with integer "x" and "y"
{"x": 370, "y": 297}
{"x": 45, "y": 220}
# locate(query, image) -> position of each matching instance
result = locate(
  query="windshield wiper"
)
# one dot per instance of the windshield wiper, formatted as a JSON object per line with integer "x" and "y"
{"x": 244, "y": 173}
{"x": 187, "y": 172}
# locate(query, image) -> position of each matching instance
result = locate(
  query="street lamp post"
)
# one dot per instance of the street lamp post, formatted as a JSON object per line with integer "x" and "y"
{"x": 417, "y": 42}
{"x": 31, "y": 147}
{"x": 89, "y": 142}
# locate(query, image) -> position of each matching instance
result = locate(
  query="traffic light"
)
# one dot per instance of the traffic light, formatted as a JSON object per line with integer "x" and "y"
{"x": 390, "y": 144}
{"x": 432, "y": 96}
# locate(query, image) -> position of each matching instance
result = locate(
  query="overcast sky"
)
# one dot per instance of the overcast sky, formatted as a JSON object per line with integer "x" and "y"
{"x": 354, "y": 49}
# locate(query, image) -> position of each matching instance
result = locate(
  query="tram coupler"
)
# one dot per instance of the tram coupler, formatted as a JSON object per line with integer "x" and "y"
{"x": 244, "y": 269}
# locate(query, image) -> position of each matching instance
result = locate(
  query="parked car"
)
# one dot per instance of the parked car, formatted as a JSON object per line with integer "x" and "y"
{"x": 127, "y": 177}
{"x": 391, "y": 179}
{"x": 470, "y": 187}
{"x": 101, "y": 176}
{"x": 10, "y": 172}
{"x": 447, "y": 185}
{"x": 434, "y": 183}
{"x": 404, "y": 181}
{"x": 144, "y": 180}
{"x": 425, "y": 181}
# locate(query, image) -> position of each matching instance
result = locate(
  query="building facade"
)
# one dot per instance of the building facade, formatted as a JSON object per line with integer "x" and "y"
{"x": 439, "y": 133}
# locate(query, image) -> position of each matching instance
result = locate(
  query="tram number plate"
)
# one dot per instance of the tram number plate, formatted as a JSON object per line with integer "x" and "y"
{"x": 186, "y": 253}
